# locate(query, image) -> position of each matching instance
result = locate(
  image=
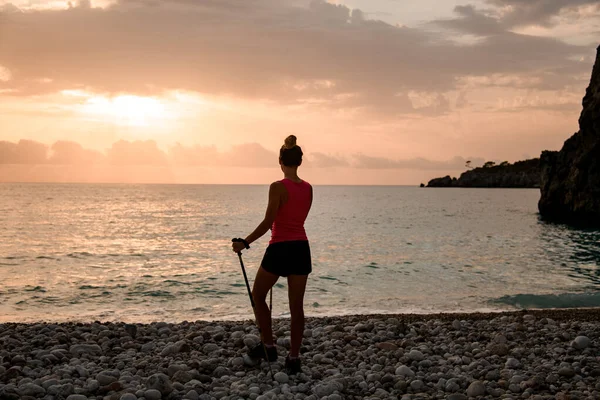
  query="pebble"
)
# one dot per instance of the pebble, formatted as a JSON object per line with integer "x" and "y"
{"x": 507, "y": 356}
{"x": 512, "y": 363}
{"x": 566, "y": 372}
{"x": 31, "y": 389}
{"x": 457, "y": 396}
{"x": 416, "y": 355}
{"x": 161, "y": 383}
{"x": 152, "y": 394}
{"x": 476, "y": 388}
{"x": 580, "y": 342}
{"x": 282, "y": 377}
{"x": 417, "y": 385}
{"x": 403, "y": 370}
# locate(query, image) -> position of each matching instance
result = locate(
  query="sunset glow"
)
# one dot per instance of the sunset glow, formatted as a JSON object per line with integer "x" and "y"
{"x": 126, "y": 109}
{"x": 368, "y": 86}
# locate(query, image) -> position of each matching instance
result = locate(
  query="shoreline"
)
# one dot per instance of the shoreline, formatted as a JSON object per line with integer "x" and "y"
{"x": 537, "y": 354}
{"x": 579, "y": 313}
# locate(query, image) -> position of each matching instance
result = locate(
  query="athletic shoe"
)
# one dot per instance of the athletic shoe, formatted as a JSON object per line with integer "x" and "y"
{"x": 292, "y": 365}
{"x": 258, "y": 352}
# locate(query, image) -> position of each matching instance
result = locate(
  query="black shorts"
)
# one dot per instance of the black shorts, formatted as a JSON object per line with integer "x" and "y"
{"x": 288, "y": 258}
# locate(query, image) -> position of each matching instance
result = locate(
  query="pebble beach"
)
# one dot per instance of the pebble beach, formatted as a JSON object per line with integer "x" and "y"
{"x": 546, "y": 354}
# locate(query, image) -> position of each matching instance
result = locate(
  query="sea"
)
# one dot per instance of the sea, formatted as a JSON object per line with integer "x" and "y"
{"x": 143, "y": 253}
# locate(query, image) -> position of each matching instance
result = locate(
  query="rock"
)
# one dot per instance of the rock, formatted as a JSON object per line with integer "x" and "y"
{"x": 446, "y": 181}
{"x": 580, "y": 342}
{"x": 61, "y": 391}
{"x": 182, "y": 377}
{"x": 251, "y": 340}
{"x": 416, "y": 355}
{"x": 161, "y": 383}
{"x": 360, "y": 327}
{"x": 77, "y": 397}
{"x": 570, "y": 183}
{"x": 19, "y": 360}
{"x": 566, "y": 372}
{"x": 105, "y": 379}
{"x": 192, "y": 395}
{"x": 13, "y": 372}
{"x": 403, "y": 370}
{"x": 148, "y": 347}
{"x": 79, "y": 349}
{"x": 387, "y": 346}
{"x": 128, "y": 396}
{"x": 324, "y": 389}
{"x": 237, "y": 361}
{"x": 512, "y": 363}
{"x": 112, "y": 387}
{"x": 152, "y": 394}
{"x": 452, "y": 385}
{"x": 521, "y": 174}
{"x": 249, "y": 361}
{"x": 281, "y": 377}
{"x": 31, "y": 389}
{"x": 457, "y": 396}
{"x": 476, "y": 388}
{"x": 417, "y": 385}
{"x": 499, "y": 349}
{"x": 131, "y": 329}
{"x": 174, "y": 368}
{"x": 221, "y": 371}
{"x": 181, "y": 346}
{"x": 210, "y": 348}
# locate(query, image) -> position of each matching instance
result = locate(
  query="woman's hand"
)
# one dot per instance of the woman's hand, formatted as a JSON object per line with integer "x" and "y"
{"x": 238, "y": 247}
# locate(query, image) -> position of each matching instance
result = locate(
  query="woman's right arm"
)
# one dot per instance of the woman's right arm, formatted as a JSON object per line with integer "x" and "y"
{"x": 275, "y": 193}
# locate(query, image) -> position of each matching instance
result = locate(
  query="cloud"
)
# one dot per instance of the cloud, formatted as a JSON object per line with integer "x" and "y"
{"x": 248, "y": 155}
{"x": 138, "y": 152}
{"x": 320, "y": 160}
{"x": 538, "y": 12}
{"x": 71, "y": 153}
{"x": 472, "y": 21}
{"x": 263, "y": 49}
{"x": 5, "y": 74}
{"x": 456, "y": 163}
{"x": 23, "y": 152}
{"x": 194, "y": 155}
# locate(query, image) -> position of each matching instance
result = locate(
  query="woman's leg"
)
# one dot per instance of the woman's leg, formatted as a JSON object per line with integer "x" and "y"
{"x": 296, "y": 289}
{"x": 263, "y": 282}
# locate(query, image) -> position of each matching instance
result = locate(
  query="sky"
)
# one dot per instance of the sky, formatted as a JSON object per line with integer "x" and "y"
{"x": 377, "y": 91}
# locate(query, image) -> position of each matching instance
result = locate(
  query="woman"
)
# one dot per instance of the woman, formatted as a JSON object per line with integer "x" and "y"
{"x": 287, "y": 255}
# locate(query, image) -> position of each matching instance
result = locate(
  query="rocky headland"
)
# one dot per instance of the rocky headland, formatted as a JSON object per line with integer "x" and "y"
{"x": 550, "y": 354}
{"x": 521, "y": 174}
{"x": 570, "y": 181}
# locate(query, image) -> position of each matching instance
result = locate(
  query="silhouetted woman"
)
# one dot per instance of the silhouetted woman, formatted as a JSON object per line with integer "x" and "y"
{"x": 287, "y": 255}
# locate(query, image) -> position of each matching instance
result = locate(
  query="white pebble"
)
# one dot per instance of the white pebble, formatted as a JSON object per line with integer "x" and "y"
{"x": 282, "y": 377}
{"x": 580, "y": 342}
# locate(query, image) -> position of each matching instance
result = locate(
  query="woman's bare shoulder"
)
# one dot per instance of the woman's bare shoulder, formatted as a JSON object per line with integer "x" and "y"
{"x": 277, "y": 186}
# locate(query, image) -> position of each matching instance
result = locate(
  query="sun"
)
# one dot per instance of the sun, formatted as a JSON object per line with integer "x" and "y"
{"x": 126, "y": 109}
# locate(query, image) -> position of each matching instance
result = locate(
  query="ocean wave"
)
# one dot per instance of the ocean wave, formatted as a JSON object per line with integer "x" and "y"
{"x": 563, "y": 300}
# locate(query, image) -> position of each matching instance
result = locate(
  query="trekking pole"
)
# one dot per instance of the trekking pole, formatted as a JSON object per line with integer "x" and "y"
{"x": 254, "y": 310}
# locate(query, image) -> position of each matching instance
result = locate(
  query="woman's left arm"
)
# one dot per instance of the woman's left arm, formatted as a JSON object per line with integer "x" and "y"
{"x": 275, "y": 192}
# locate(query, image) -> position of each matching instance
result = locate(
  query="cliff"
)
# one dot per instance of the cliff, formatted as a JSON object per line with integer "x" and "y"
{"x": 522, "y": 174}
{"x": 570, "y": 179}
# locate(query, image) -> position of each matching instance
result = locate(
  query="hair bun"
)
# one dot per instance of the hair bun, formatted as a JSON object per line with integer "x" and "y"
{"x": 290, "y": 142}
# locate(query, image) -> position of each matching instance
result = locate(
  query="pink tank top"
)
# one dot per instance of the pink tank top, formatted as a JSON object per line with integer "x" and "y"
{"x": 289, "y": 223}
